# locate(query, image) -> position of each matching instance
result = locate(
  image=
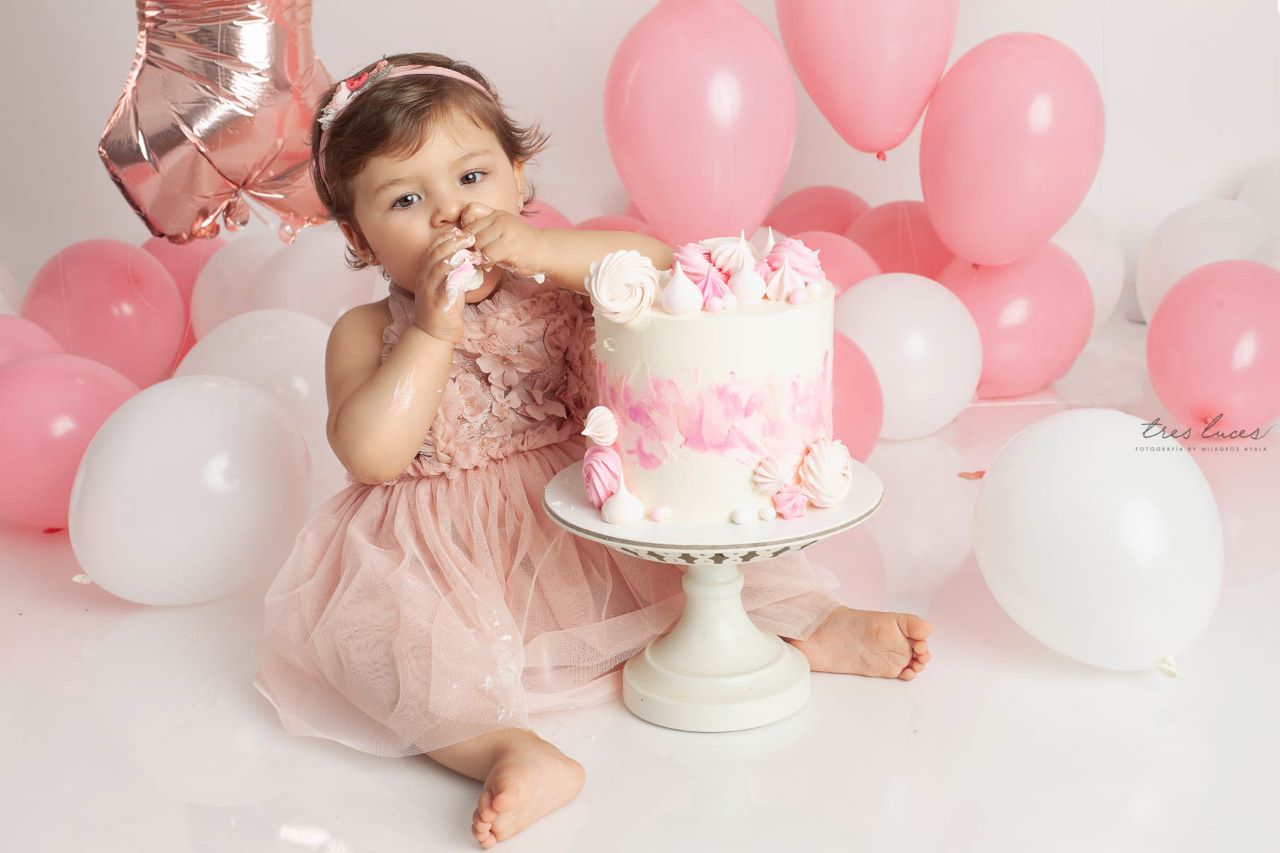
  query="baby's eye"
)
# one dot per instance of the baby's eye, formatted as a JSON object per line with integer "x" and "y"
{"x": 472, "y": 172}
{"x": 402, "y": 198}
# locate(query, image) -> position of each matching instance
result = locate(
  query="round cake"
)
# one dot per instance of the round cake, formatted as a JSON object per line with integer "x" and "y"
{"x": 715, "y": 385}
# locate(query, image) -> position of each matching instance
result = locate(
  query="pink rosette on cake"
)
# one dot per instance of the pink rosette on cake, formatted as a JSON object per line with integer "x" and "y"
{"x": 802, "y": 260}
{"x": 694, "y": 259}
{"x": 790, "y": 501}
{"x": 601, "y": 473}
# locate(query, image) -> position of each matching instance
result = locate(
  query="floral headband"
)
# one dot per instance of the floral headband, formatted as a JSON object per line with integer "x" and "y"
{"x": 361, "y": 82}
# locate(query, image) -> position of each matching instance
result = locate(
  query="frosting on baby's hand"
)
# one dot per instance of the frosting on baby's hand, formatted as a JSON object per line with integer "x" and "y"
{"x": 465, "y": 276}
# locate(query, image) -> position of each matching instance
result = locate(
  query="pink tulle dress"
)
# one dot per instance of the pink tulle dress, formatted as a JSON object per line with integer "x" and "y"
{"x": 444, "y": 603}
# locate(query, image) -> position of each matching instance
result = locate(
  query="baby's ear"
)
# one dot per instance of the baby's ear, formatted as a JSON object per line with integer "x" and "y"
{"x": 354, "y": 238}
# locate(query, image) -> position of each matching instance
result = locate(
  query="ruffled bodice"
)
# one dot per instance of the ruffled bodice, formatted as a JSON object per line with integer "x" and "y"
{"x": 523, "y": 375}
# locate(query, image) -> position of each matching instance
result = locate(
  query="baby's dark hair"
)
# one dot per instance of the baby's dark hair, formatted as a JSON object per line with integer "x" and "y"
{"x": 394, "y": 118}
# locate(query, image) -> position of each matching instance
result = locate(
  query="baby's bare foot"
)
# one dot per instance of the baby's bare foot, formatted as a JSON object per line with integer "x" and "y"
{"x": 868, "y": 642}
{"x": 530, "y": 779}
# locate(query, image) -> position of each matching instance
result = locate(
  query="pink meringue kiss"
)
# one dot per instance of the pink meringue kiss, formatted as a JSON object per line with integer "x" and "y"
{"x": 601, "y": 473}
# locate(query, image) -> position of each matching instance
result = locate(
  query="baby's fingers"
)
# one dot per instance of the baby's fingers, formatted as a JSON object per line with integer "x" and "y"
{"x": 473, "y": 212}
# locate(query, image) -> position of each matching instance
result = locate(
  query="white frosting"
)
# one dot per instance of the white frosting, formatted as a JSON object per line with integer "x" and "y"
{"x": 773, "y": 473}
{"x": 743, "y": 514}
{"x": 825, "y": 474}
{"x": 464, "y": 278}
{"x": 753, "y": 343}
{"x": 768, "y": 243}
{"x": 601, "y": 426}
{"x": 768, "y": 513}
{"x": 784, "y": 282}
{"x": 681, "y": 295}
{"x": 622, "y": 285}
{"x": 734, "y": 255}
{"x": 623, "y": 507}
{"x": 747, "y": 285}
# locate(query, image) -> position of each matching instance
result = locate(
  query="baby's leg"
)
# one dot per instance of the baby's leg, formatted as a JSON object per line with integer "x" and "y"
{"x": 524, "y": 776}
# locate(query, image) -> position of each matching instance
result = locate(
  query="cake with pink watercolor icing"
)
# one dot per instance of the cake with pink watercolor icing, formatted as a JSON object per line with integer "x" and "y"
{"x": 715, "y": 386}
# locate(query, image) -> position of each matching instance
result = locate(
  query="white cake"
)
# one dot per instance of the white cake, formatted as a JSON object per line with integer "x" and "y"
{"x": 715, "y": 385}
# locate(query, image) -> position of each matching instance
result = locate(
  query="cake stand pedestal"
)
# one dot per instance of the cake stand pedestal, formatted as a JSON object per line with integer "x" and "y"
{"x": 715, "y": 671}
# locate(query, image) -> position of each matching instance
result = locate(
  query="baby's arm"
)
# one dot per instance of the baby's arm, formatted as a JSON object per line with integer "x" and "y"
{"x": 568, "y": 253}
{"x": 379, "y": 414}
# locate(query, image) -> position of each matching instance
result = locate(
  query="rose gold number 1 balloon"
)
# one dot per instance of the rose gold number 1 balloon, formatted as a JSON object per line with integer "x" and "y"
{"x": 217, "y": 110}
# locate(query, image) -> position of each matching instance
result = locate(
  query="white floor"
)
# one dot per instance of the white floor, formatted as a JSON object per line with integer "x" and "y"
{"x": 134, "y": 729}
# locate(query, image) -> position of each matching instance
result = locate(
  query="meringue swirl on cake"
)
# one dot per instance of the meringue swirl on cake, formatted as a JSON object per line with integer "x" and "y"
{"x": 622, "y": 285}
{"x": 825, "y": 474}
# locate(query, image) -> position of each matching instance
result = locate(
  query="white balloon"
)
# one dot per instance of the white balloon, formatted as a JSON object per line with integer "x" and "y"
{"x": 193, "y": 489}
{"x": 1217, "y": 229}
{"x": 1102, "y": 544}
{"x": 311, "y": 276}
{"x": 223, "y": 287}
{"x": 923, "y": 344}
{"x": 1092, "y": 244}
{"x": 1262, "y": 190}
{"x": 281, "y": 352}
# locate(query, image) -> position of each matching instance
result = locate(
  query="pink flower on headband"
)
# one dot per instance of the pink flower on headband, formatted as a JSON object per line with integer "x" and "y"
{"x": 343, "y": 94}
{"x": 360, "y": 79}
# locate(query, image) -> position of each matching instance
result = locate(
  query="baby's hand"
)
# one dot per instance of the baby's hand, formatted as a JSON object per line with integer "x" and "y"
{"x": 505, "y": 239}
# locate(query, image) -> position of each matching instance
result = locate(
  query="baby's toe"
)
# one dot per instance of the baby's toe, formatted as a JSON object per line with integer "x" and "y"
{"x": 918, "y": 628}
{"x": 907, "y": 674}
{"x": 485, "y": 809}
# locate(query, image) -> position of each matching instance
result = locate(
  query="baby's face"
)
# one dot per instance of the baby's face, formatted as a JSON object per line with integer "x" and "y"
{"x": 404, "y": 205}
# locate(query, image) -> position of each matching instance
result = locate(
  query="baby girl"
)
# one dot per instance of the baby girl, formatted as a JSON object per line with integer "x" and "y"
{"x": 431, "y": 606}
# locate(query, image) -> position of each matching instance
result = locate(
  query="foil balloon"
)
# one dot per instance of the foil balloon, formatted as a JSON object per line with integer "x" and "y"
{"x": 217, "y": 111}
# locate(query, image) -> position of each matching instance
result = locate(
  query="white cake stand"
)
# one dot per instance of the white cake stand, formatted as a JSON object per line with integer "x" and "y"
{"x": 715, "y": 671}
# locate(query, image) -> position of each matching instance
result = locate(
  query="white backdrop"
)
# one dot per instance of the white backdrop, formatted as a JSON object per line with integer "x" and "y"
{"x": 1191, "y": 88}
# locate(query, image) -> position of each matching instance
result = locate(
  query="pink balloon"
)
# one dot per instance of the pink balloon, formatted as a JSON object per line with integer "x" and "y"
{"x": 1011, "y": 144}
{"x": 19, "y": 337}
{"x": 633, "y": 212}
{"x": 611, "y": 223}
{"x": 900, "y": 238}
{"x": 1213, "y": 346}
{"x": 1034, "y": 317}
{"x": 816, "y": 209}
{"x": 184, "y": 263}
{"x": 543, "y": 215}
{"x": 700, "y": 115}
{"x": 844, "y": 261}
{"x": 53, "y": 403}
{"x": 858, "y": 412}
{"x": 112, "y": 302}
{"x": 869, "y": 65}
